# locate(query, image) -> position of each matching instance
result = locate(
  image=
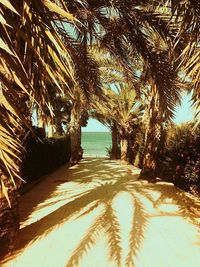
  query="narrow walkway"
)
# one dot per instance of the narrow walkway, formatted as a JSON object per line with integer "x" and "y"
{"x": 96, "y": 214}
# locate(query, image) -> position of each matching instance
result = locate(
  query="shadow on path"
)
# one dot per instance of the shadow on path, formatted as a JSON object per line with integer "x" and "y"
{"x": 98, "y": 212}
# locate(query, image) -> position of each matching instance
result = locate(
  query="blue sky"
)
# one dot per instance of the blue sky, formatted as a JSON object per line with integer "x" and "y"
{"x": 183, "y": 114}
{"x": 94, "y": 126}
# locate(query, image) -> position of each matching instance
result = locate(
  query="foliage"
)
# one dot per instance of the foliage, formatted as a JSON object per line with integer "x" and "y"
{"x": 44, "y": 155}
{"x": 180, "y": 159}
{"x": 121, "y": 111}
{"x": 37, "y": 63}
{"x": 187, "y": 14}
{"x": 33, "y": 60}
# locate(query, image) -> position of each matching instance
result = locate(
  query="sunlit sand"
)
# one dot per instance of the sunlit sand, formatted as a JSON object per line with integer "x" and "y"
{"x": 98, "y": 214}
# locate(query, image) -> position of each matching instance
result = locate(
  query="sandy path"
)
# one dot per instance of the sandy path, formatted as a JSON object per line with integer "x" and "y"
{"x": 96, "y": 214}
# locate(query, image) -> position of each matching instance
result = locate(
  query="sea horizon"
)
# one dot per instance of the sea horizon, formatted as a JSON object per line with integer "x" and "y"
{"x": 95, "y": 144}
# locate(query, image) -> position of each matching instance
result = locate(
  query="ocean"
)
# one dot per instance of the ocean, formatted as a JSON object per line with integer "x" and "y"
{"x": 94, "y": 144}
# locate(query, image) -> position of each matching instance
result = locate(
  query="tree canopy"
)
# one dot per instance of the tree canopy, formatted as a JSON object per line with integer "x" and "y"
{"x": 46, "y": 51}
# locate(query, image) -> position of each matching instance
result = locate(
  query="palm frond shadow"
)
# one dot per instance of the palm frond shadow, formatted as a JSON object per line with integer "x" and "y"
{"x": 187, "y": 207}
{"x": 72, "y": 174}
{"x": 112, "y": 228}
{"x": 137, "y": 234}
{"x": 86, "y": 243}
{"x": 101, "y": 193}
{"x": 110, "y": 225}
{"x": 106, "y": 222}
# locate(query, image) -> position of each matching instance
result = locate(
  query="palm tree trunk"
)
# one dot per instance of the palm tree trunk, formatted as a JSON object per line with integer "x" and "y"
{"x": 59, "y": 129}
{"x": 75, "y": 137}
{"x": 152, "y": 139}
{"x": 79, "y": 141}
{"x": 132, "y": 148}
{"x": 150, "y": 152}
{"x": 124, "y": 149}
{"x": 114, "y": 142}
{"x": 9, "y": 218}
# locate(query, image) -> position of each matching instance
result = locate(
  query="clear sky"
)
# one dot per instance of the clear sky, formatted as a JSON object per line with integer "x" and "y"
{"x": 94, "y": 126}
{"x": 183, "y": 114}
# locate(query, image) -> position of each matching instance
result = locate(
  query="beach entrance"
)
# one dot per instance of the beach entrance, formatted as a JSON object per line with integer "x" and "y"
{"x": 96, "y": 139}
{"x": 96, "y": 144}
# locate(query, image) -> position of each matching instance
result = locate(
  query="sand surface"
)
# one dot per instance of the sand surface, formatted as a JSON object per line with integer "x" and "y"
{"x": 97, "y": 214}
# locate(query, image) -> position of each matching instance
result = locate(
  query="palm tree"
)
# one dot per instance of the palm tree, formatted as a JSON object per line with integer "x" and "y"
{"x": 104, "y": 108}
{"x": 130, "y": 28}
{"x": 33, "y": 60}
{"x": 121, "y": 111}
{"x": 150, "y": 35}
{"x": 153, "y": 120}
{"x": 79, "y": 105}
{"x": 61, "y": 107}
{"x": 128, "y": 112}
{"x": 185, "y": 16}
{"x": 35, "y": 57}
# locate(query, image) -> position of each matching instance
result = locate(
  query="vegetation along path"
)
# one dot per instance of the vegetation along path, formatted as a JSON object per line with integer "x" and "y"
{"x": 98, "y": 214}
